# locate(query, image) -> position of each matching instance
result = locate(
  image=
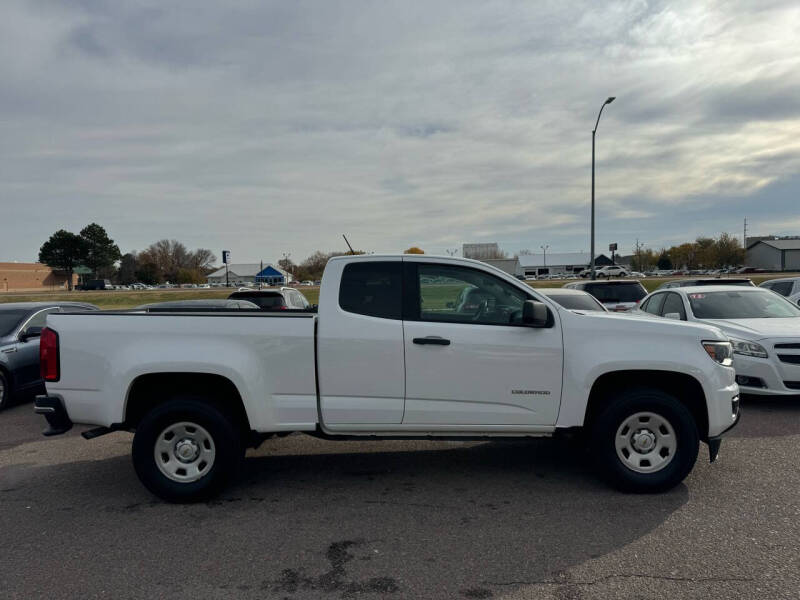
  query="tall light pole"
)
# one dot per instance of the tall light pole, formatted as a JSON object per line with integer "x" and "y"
{"x": 544, "y": 257}
{"x": 286, "y": 256}
{"x": 609, "y": 100}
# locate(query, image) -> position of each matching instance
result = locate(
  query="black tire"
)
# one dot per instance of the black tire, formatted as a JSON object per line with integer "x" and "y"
{"x": 626, "y": 404}
{"x": 5, "y": 391}
{"x": 226, "y": 442}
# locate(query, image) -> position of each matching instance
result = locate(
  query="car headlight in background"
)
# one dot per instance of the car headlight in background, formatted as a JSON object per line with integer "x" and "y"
{"x": 721, "y": 352}
{"x": 746, "y": 348}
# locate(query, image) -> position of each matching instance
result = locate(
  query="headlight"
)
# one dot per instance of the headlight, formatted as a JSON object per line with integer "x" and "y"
{"x": 748, "y": 348}
{"x": 721, "y": 352}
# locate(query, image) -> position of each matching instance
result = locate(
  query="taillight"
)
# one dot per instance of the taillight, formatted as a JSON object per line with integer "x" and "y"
{"x": 48, "y": 355}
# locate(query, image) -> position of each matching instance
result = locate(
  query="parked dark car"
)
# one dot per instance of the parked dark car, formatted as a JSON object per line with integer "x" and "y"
{"x": 284, "y": 298}
{"x": 199, "y": 305}
{"x": 706, "y": 281}
{"x": 616, "y": 295}
{"x": 21, "y": 325}
{"x": 576, "y": 300}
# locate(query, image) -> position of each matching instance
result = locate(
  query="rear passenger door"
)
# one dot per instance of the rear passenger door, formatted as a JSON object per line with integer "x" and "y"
{"x": 361, "y": 363}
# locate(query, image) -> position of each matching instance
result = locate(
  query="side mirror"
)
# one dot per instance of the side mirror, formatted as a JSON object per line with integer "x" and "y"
{"x": 535, "y": 314}
{"x": 676, "y": 316}
{"x": 30, "y": 332}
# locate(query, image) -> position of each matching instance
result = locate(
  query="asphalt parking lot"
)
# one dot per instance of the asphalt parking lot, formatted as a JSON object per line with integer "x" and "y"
{"x": 318, "y": 519}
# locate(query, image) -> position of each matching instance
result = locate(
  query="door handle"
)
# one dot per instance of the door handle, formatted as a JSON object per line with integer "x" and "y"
{"x": 432, "y": 340}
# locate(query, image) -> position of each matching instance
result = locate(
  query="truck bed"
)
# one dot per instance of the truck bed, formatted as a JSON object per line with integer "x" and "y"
{"x": 268, "y": 356}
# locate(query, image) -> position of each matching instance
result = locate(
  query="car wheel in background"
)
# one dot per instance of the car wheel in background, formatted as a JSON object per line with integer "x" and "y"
{"x": 645, "y": 441}
{"x": 5, "y": 391}
{"x": 186, "y": 450}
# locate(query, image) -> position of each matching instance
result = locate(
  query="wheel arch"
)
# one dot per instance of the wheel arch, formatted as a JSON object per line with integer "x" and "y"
{"x": 152, "y": 389}
{"x": 685, "y": 388}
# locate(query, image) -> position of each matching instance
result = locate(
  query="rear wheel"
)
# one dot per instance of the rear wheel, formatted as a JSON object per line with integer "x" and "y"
{"x": 186, "y": 450}
{"x": 645, "y": 441}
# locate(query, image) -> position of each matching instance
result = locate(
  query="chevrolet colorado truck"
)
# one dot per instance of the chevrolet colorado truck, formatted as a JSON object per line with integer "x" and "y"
{"x": 409, "y": 346}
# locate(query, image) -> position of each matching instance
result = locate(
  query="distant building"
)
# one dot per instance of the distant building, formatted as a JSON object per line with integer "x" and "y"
{"x": 509, "y": 265}
{"x": 481, "y": 251}
{"x": 564, "y": 263}
{"x": 251, "y": 273}
{"x": 31, "y": 277}
{"x": 772, "y": 254}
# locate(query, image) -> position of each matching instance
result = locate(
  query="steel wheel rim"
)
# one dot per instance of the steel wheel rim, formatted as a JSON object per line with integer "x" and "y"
{"x": 646, "y": 442}
{"x": 184, "y": 452}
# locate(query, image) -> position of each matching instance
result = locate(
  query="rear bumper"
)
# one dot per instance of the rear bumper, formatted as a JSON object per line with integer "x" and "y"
{"x": 52, "y": 407}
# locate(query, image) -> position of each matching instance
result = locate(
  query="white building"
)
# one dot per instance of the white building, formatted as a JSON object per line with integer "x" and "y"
{"x": 558, "y": 263}
{"x": 251, "y": 273}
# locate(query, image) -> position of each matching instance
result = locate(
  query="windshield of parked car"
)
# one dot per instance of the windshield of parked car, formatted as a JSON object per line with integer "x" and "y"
{"x": 9, "y": 319}
{"x": 755, "y": 304}
{"x": 577, "y": 302}
{"x": 616, "y": 292}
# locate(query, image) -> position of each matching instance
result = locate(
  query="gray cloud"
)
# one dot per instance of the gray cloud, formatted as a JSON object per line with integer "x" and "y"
{"x": 276, "y": 126}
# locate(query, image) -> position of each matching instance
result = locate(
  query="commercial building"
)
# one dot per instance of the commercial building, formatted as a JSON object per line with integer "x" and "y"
{"x": 251, "y": 273}
{"x": 32, "y": 277}
{"x": 559, "y": 263}
{"x": 509, "y": 265}
{"x": 782, "y": 254}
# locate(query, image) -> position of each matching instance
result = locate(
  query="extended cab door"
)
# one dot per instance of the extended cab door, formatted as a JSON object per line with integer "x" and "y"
{"x": 361, "y": 367}
{"x": 469, "y": 361}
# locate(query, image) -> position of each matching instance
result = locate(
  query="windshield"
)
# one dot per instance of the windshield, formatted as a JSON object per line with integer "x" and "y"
{"x": 616, "y": 292}
{"x": 9, "y": 319}
{"x": 262, "y": 300}
{"x": 755, "y": 304}
{"x": 577, "y": 302}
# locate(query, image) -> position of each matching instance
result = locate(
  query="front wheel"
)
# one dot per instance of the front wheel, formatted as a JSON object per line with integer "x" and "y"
{"x": 5, "y": 391}
{"x": 645, "y": 441}
{"x": 186, "y": 450}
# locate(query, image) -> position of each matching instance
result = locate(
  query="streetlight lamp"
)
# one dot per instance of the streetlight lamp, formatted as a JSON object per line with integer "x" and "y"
{"x": 609, "y": 100}
{"x": 544, "y": 257}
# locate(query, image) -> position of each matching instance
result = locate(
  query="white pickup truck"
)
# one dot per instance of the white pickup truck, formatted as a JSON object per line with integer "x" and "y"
{"x": 402, "y": 347}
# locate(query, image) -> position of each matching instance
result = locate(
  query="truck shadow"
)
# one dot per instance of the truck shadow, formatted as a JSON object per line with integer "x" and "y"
{"x": 342, "y": 519}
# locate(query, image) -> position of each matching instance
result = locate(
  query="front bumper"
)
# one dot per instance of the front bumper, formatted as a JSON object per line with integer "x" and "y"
{"x": 52, "y": 407}
{"x": 766, "y": 376}
{"x": 714, "y": 442}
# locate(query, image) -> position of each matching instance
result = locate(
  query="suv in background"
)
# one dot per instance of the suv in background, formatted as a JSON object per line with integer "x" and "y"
{"x": 612, "y": 271}
{"x": 789, "y": 287}
{"x": 284, "y": 298}
{"x": 706, "y": 281}
{"x": 615, "y": 295}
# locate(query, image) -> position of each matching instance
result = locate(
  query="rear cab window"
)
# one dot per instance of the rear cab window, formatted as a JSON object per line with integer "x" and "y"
{"x": 373, "y": 288}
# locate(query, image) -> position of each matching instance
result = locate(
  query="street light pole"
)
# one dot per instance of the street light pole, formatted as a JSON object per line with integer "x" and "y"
{"x": 609, "y": 100}
{"x": 544, "y": 257}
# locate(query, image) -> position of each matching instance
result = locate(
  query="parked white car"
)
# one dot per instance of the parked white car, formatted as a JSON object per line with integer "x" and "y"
{"x": 763, "y": 327}
{"x": 401, "y": 347}
{"x": 609, "y": 271}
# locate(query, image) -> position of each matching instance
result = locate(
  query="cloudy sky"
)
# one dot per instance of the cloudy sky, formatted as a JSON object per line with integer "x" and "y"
{"x": 269, "y": 127}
